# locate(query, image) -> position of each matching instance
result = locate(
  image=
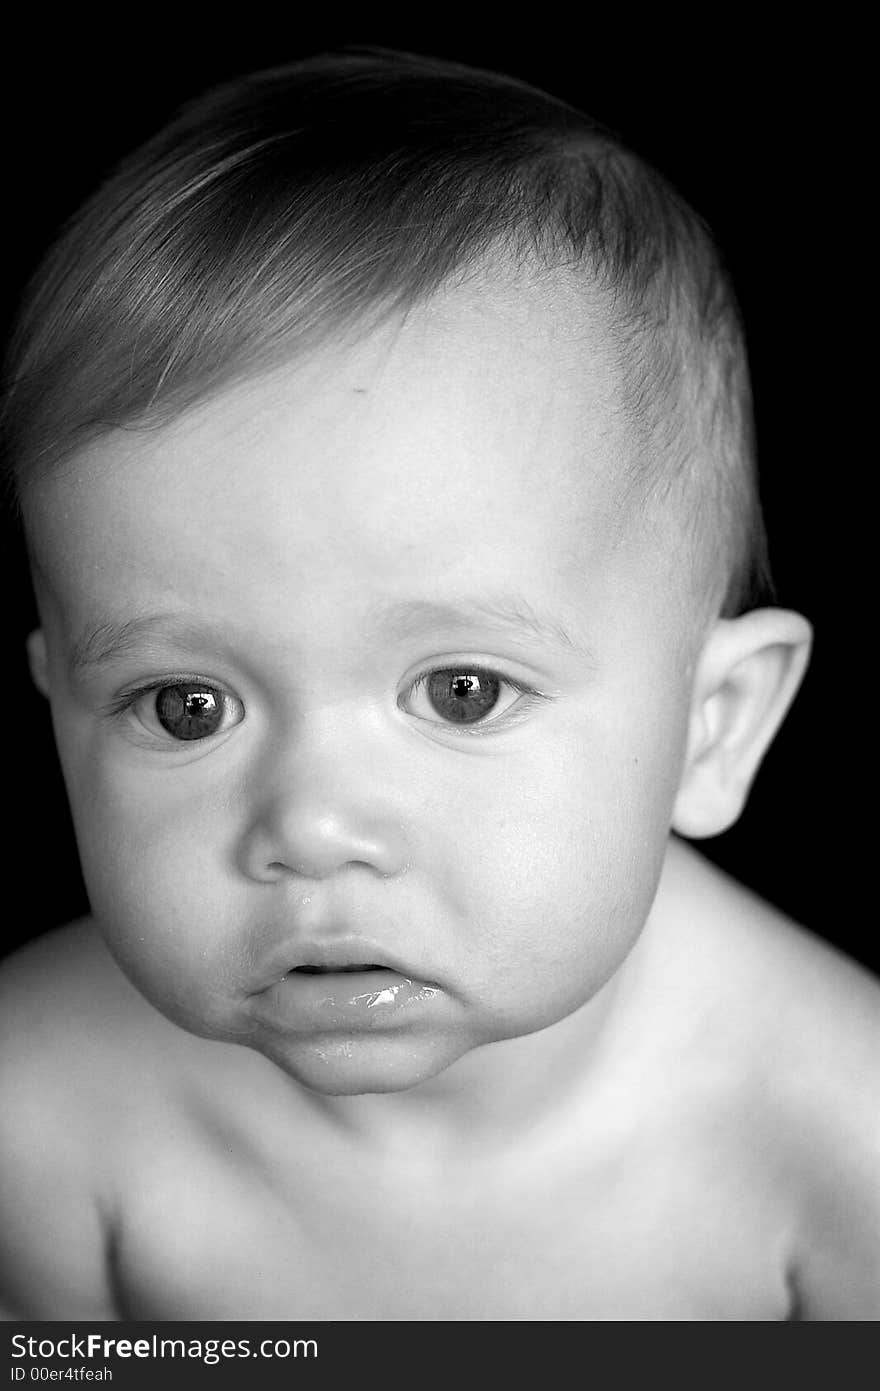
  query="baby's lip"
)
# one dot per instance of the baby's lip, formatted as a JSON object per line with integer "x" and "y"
{"x": 342, "y": 956}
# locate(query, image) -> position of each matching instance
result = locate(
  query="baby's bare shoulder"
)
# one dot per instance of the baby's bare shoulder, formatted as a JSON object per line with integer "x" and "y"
{"x": 66, "y": 1010}
{"x": 804, "y": 1022}
{"x": 827, "y": 1033}
{"x": 68, "y": 1018}
{"x": 814, "y": 1012}
{"x": 777, "y": 982}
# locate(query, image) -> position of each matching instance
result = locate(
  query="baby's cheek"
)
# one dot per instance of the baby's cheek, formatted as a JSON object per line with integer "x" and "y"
{"x": 150, "y": 867}
{"x": 579, "y": 842}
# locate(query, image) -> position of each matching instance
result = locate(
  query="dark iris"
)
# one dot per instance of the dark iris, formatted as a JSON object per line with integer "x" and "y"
{"x": 463, "y": 697}
{"x": 189, "y": 712}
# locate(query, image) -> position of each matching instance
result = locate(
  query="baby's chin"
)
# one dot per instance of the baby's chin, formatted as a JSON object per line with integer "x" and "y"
{"x": 336, "y": 1065}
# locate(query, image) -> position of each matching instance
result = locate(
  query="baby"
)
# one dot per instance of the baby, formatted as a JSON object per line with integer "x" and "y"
{"x": 381, "y": 435}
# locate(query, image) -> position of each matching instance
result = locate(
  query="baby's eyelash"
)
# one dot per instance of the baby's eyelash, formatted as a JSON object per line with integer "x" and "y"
{"x": 121, "y": 703}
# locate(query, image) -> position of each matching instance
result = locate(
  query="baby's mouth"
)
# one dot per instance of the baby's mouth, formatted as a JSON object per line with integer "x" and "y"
{"x": 336, "y": 970}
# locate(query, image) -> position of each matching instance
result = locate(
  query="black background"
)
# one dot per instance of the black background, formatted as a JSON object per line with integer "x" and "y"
{"x": 757, "y": 132}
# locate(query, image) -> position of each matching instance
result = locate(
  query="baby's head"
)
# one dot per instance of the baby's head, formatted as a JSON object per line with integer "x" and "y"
{"x": 383, "y": 443}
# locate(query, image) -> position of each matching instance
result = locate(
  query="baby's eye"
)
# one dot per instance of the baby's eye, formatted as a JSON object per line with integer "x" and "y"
{"x": 462, "y": 695}
{"x": 187, "y": 710}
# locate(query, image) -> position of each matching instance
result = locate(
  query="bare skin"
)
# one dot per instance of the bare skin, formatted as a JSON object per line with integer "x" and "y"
{"x": 704, "y": 1165}
{"x": 375, "y": 662}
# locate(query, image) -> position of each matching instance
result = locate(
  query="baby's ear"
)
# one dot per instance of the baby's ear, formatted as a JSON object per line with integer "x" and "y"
{"x": 746, "y": 677}
{"x": 36, "y": 650}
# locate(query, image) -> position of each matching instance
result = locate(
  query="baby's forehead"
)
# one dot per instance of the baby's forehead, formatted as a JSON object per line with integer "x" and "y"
{"x": 479, "y": 428}
{"x": 440, "y": 466}
{"x": 520, "y": 328}
{"x": 507, "y": 359}
{"x": 515, "y": 331}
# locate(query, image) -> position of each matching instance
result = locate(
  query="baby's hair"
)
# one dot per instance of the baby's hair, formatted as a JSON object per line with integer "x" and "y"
{"x": 288, "y": 205}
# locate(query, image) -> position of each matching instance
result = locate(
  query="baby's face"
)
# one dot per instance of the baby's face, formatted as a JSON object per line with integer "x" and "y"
{"x": 360, "y": 665}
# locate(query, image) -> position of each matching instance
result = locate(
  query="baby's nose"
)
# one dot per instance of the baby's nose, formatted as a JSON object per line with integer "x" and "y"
{"x": 314, "y": 821}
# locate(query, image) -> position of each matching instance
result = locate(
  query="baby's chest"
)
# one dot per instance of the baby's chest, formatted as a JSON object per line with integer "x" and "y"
{"x": 229, "y": 1246}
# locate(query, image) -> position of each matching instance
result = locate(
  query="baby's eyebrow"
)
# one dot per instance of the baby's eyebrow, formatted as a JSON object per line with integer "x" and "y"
{"x": 510, "y": 614}
{"x": 99, "y": 646}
